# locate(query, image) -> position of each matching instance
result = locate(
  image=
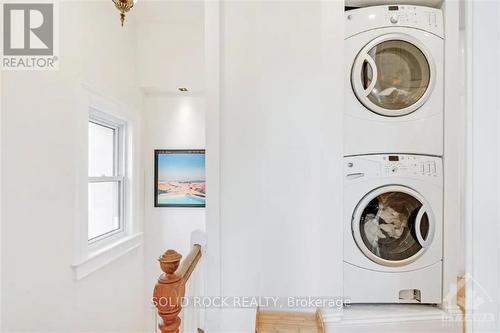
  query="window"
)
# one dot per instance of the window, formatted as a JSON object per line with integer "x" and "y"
{"x": 106, "y": 227}
{"x": 106, "y": 169}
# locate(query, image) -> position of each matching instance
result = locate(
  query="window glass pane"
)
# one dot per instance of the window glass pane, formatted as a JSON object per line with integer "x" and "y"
{"x": 104, "y": 208}
{"x": 101, "y": 150}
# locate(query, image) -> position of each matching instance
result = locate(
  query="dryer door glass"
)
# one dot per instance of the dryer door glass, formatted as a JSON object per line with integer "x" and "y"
{"x": 394, "y": 226}
{"x": 395, "y": 77}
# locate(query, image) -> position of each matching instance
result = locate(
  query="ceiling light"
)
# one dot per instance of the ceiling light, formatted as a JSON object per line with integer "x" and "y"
{"x": 124, "y": 6}
{"x": 183, "y": 89}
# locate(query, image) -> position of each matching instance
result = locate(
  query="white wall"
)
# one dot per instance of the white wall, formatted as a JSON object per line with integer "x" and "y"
{"x": 280, "y": 152}
{"x": 483, "y": 51}
{"x": 44, "y": 128}
{"x": 171, "y": 122}
{"x": 1, "y": 211}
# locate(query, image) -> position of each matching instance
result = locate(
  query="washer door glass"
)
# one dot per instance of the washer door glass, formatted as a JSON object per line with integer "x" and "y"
{"x": 394, "y": 226}
{"x": 392, "y": 77}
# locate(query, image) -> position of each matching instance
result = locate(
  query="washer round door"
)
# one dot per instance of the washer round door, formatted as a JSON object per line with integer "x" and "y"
{"x": 393, "y": 225}
{"x": 393, "y": 75}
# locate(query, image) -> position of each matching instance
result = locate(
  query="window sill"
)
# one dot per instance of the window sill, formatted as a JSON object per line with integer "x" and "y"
{"x": 102, "y": 257}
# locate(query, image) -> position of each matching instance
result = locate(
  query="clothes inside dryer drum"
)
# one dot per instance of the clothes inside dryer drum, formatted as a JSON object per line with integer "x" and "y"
{"x": 403, "y": 74}
{"x": 387, "y": 226}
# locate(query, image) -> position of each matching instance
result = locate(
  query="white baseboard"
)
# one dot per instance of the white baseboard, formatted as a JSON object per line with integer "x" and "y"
{"x": 392, "y": 317}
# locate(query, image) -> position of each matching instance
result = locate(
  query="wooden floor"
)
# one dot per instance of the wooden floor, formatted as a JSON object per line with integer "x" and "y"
{"x": 288, "y": 322}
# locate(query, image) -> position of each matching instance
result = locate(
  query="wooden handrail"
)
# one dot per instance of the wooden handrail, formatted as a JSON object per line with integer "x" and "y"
{"x": 461, "y": 293}
{"x": 189, "y": 264}
{"x": 171, "y": 287}
{"x": 319, "y": 321}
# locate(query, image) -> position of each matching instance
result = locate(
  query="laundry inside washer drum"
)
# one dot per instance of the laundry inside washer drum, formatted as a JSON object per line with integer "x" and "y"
{"x": 387, "y": 226}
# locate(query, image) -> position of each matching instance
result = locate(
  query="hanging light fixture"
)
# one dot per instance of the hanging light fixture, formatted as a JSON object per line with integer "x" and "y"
{"x": 124, "y": 6}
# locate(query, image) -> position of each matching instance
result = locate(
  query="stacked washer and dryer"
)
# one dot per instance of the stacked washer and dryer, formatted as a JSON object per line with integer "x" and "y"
{"x": 393, "y": 181}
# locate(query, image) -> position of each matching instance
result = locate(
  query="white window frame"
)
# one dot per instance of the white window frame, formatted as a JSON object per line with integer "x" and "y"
{"x": 92, "y": 255}
{"x": 119, "y": 170}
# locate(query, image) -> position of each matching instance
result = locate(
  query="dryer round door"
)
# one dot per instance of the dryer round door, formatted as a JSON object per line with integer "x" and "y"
{"x": 393, "y": 75}
{"x": 393, "y": 225}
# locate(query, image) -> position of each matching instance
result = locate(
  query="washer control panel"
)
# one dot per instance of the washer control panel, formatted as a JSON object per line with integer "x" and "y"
{"x": 420, "y": 167}
{"x": 419, "y": 17}
{"x": 409, "y": 165}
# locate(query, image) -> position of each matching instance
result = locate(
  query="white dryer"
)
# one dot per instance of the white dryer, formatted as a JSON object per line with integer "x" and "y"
{"x": 394, "y": 80}
{"x": 393, "y": 207}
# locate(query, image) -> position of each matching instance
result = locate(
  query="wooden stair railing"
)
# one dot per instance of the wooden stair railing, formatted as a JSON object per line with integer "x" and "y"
{"x": 171, "y": 287}
{"x": 461, "y": 293}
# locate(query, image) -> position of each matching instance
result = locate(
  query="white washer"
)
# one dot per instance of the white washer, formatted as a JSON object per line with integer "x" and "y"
{"x": 394, "y": 80}
{"x": 393, "y": 229}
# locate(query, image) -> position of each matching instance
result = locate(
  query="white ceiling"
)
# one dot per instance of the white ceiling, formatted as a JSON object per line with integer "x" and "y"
{"x": 367, "y": 3}
{"x": 170, "y": 45}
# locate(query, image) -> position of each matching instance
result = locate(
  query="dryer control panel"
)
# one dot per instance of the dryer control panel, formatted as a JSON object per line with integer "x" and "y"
{"x": 420, "y": 167}
{"x": 405, "y": 14}
{"x": 368, "y": 18}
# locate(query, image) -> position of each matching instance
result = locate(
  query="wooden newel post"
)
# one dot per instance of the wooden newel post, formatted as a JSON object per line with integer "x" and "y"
{"x": 168, "y": 292}
{"x": 171, "y": 287}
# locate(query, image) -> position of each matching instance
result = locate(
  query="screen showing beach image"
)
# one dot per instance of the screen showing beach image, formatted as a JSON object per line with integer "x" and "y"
{"x": 180, "y": 179}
